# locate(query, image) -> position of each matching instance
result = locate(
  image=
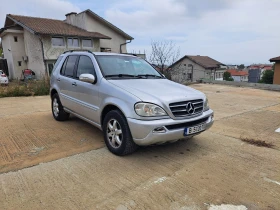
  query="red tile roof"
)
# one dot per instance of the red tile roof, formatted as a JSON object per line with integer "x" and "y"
{"x": 47, "y": 26}
{"x": 235, "y": 72}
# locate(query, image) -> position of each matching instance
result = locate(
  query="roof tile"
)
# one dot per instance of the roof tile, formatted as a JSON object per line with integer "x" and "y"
{"x": 54, "y": 27}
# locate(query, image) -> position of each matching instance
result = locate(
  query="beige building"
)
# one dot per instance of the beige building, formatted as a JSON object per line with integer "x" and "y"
{"x": 193, "y": 68}
{"x": 35, "y": 43}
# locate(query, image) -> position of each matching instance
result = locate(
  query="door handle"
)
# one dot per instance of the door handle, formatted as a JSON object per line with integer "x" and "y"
{"x": 58, "y": 79}
{"x": 74, "y": 84}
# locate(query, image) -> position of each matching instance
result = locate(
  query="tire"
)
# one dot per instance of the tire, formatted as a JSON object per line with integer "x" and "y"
{"x": 57, "y": 109}
{"x": 118, "y": 138}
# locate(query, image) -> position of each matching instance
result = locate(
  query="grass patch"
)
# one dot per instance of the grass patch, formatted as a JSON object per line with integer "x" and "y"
{"x": 29, "y": 88}
{"x": 257, "y": 142}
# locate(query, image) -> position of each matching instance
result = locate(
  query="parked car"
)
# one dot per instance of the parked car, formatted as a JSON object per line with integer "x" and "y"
{"x": 124, "y": 96}
{"x": 4, "y": 80}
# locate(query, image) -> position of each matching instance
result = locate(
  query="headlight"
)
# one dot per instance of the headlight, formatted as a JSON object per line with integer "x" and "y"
{"x": 206, "y": 106}
{"x": 149, "y": 110}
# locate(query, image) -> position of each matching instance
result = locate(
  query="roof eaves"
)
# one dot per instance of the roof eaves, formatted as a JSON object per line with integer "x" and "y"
{"x": 276, "y": 59}
{"x": 108, "y": 24}
{"x": 21, "y": 24}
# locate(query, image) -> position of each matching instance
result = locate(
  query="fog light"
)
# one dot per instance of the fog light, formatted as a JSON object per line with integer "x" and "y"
{"x": 159, "y": 130}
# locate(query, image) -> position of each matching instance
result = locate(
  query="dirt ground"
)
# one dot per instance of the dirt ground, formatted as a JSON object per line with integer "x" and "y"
{"x": 214, "y": 170}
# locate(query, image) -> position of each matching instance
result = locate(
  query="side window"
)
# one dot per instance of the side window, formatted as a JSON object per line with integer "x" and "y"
{"x": 63, "y": 67}
{"x": 69, "y": 66}
{"x": 85, "y": 66}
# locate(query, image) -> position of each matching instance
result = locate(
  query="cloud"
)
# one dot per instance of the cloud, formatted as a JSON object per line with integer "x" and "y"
{"x": 231, "y": 31}
{"x": 51, "y": 8}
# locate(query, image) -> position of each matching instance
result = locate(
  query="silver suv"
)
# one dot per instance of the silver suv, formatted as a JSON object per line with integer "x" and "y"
{"x": 124, "y": 96}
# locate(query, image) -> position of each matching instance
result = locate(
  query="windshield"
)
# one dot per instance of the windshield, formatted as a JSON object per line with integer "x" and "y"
{"x": 117, "y": 66}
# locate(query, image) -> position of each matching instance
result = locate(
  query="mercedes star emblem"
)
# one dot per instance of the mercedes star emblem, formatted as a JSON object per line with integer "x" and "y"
{"x": 190, "y": 108}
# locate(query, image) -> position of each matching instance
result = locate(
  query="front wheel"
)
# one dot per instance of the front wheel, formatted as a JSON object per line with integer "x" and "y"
{"x": 117, "y": 134}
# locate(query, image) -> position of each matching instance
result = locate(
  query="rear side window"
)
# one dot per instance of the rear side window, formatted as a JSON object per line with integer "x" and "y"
{"x": 57, "y": 63}
{"x": 69, "y": 65}
{"x": 85, "y": 66}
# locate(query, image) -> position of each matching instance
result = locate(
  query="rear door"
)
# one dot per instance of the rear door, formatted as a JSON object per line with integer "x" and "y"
{"x": 87, "y": 94}
{"x": 66, "y": 82}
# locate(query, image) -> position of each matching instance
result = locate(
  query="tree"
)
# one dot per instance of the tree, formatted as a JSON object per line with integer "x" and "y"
{"x": 242, "y": 66}
{"x": 164, "y": 53}
{"x": 1, "y": 52}
{"x": 267, "y": 77}
{"x": 227, "y": 76}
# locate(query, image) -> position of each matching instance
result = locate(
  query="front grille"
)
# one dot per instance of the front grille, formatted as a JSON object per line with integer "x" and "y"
{"x": 182, "y": 109}
{"x": 187, "y": 124}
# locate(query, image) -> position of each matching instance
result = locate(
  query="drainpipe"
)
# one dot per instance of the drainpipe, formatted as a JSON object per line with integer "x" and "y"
{"x": 43, "y": 53}
{"x": 124, "y": 44}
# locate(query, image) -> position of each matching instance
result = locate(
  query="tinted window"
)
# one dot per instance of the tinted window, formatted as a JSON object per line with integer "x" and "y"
{"x": 63, "y": 67}
{"x": 57, "y": 62}
{"x": 85, "y": 66}
{"x": 69, "y": 68}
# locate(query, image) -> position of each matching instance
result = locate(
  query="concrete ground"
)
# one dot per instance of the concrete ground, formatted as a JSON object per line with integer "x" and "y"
{"x": 215, "y": 170}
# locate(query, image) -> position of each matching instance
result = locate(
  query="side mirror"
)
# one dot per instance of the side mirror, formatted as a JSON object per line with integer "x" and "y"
{"x": 89, "y": 78}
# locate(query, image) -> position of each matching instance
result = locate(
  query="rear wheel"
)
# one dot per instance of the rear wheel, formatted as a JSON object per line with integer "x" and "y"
{"x": 117, "y": 134}
{"x": 57, "y": 109}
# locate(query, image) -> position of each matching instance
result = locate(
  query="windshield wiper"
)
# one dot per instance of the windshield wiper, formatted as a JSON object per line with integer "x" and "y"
{"x": 149, "y": 75}
{"x": 120, "y": 75}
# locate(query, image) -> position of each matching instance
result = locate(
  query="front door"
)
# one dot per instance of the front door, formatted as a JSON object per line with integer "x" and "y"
{"x": 86, "y": 93}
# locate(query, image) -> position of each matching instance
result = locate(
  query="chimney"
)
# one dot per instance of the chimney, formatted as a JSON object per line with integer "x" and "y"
{"x": 70, "y": 17}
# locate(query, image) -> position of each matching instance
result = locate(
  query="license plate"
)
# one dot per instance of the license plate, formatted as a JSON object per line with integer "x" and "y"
{"x": 194, "y": 129}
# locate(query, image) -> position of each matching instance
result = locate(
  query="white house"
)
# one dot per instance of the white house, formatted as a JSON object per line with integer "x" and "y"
{"x": 238, "y": 75}
{"x": 35, "y": 43}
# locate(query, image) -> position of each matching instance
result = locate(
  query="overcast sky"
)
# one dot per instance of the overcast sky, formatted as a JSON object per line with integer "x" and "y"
{"x": 230, "y": 31}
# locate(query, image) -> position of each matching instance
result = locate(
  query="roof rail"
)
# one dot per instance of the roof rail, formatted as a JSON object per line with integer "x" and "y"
{"x": 80, "y": 50}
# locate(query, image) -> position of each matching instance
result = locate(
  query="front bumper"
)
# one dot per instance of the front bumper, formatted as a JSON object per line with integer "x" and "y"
{"x": 144, "y": 133}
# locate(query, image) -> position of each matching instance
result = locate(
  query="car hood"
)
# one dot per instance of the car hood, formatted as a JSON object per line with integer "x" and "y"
{"x": 158, "y": 91}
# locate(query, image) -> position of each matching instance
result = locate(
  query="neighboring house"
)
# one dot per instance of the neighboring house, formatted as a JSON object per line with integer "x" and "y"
{"x": 238, "y": 75}
{"x": 35, "y": 43}
{"x": 276, "y": 78}
{"x": 232, "y": 66}
{"x": 193, "y": 68}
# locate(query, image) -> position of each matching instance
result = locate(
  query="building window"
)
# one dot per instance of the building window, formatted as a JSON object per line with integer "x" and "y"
{"x": 73, "y": 42}
{"x": 15, "y": 39}
{"x": 87, "y": 43}
{"x": 189, "y": 76}
{"x": 19, "y": 63}
{"x": 58, "y": 41}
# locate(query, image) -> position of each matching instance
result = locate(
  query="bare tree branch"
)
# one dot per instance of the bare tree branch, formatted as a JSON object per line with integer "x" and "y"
{"x": 164, "y": 53}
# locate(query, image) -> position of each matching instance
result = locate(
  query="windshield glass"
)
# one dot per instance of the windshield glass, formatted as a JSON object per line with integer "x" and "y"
{"x": 126, "y": 67}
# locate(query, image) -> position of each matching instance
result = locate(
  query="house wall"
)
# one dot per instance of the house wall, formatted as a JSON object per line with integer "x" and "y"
{"x": 94, "y": 25}
{"x": 8, "y": 54}
{"x": 181, "y": 70}
{"x": 52, "y": 52}
{"x": 276, "y": 79}
{"x": 236, "y": 78}
{"x": 33, "y": 50}
{"x": 219, "y": 75}
{"x": 14, "y": 52}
